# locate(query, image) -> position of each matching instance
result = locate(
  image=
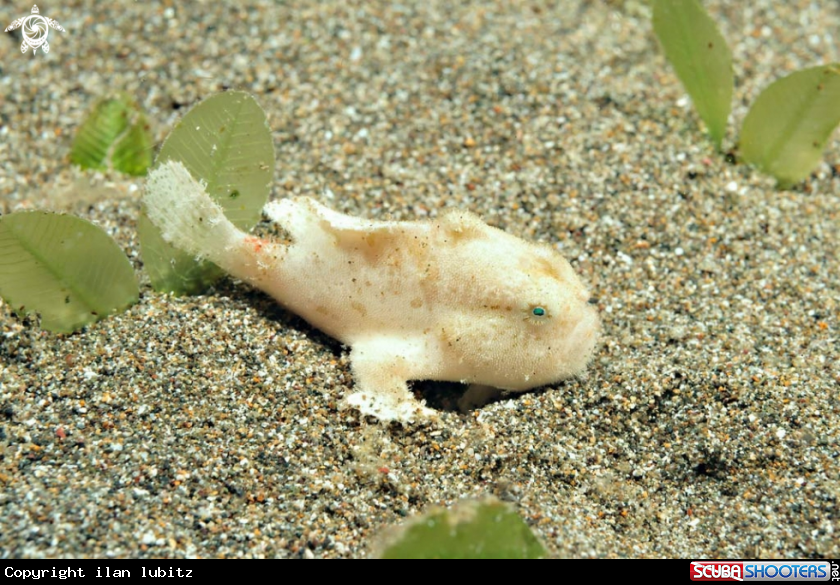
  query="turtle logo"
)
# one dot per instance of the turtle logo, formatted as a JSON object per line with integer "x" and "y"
{"x": 35, "y": 29}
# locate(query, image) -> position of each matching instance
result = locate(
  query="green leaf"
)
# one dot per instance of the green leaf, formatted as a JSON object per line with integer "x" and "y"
{"x": 114, "y": 135}
{"x": 786, "y": 130}
{"x": 64, "y": 268}
{"x": 225, "y": 142}
{"x": 472, "y": 529}
{"x": 701, "y": 58}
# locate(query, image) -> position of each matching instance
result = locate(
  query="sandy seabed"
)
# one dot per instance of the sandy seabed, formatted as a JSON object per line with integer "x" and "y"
{"x": 707, "y": 424}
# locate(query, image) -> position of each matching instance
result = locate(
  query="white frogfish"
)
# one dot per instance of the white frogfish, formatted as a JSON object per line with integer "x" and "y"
{"x": 448, "y": 299}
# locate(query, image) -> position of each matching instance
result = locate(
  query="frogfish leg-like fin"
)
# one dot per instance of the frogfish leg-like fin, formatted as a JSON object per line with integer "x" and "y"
{"x": 382, "y": 368}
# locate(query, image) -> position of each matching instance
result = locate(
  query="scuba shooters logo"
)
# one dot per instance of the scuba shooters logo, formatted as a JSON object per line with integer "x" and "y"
{"x": 717, "y": 571}
{"x": 34, "y": 29}
{"x": 765, "y": 571}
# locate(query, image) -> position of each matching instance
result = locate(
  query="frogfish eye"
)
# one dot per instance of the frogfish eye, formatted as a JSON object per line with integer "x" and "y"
{"x": 537, "y": 314}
